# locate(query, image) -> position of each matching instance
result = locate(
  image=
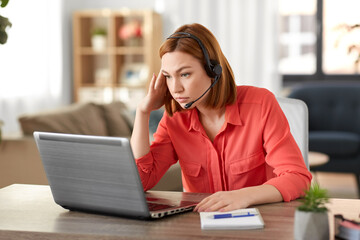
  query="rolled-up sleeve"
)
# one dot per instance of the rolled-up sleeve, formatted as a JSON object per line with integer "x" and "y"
{"x": 283, "y": 156}
{"x": 161, "y": 156}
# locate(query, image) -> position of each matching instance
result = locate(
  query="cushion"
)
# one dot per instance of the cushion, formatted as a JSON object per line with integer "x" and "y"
{"x": 85, "y": 118}
{"x": 118, "y": 119}
{"x": 333, "y": 106}
{"x": 155, "y": 117}
{"x": 334, "y": 143}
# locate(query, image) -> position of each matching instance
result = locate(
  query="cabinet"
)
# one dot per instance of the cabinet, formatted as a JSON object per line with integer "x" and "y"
{"x": 115, "y": 54}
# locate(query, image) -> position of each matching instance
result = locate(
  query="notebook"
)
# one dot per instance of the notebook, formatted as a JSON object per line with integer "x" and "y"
{"x": 248, "y": 218}
{"x": 98, "y": 174}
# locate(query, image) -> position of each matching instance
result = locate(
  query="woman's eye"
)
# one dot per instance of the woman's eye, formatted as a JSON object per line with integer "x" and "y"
{"x": 185, "y": 74}
{"x": 167, "y": 76}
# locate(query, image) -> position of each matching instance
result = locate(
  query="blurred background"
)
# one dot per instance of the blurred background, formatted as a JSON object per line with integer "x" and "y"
{"x": 269, "y": 43}
{"x": 61, "y": 52}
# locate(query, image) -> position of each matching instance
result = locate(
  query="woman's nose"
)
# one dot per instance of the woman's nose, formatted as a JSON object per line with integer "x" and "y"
{"x": 177, "y": 86}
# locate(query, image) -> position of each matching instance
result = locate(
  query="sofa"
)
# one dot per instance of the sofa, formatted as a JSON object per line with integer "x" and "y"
{"x": 334, "y": 123}
{"x": 20, "y": 161}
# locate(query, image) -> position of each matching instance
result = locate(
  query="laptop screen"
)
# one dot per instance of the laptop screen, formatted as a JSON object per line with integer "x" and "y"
{"x": 92, "y": 173}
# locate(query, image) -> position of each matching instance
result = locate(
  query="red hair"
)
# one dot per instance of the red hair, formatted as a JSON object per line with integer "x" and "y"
{"x": 224, "y": 91}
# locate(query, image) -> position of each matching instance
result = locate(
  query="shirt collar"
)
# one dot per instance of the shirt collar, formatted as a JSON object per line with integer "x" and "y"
{"x": 232, "y": 116}
{"x": 194, "y": 120}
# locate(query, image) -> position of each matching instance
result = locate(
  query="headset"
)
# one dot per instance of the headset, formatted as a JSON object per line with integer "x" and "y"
{"x": 212, "y": 67}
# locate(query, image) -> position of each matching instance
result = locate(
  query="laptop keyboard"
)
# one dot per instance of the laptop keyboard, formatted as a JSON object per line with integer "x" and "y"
{"x": 157, "y": 206}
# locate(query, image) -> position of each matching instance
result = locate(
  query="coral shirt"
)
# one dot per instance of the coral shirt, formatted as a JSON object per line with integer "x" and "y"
{"x": 253, "y": 147}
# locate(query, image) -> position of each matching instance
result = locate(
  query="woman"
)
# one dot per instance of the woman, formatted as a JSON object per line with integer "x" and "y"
{"x": 232, "y": 141}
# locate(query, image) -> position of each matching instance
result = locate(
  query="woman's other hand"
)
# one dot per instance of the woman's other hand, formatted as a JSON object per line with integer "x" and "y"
{"x": 155, "y": 97}
{"x": 225, "y": 201}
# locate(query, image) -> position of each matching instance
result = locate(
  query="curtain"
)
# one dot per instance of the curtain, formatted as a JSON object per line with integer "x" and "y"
{"x": 247, "y": 31}
{"x": 30, "y": 61}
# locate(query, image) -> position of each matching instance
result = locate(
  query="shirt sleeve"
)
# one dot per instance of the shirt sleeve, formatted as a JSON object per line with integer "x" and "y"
{"x": 161, "y": 156}
{"x": 283, "y": 156}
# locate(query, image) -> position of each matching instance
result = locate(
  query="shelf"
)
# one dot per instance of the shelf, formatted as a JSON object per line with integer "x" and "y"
{"x": 122, "y": 85}
{"x": 89, "y": 85}
{"x": 112, "y": 51}
{"x": 125, "y": 58}
{"x": 129, "y": 50}
{"x": 135, "y": 85}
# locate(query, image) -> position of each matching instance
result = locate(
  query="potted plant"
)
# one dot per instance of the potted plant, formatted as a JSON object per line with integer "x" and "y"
{"x": 98, "y": 38}
{"x": 4, "y": 23}
{"x": 311, "y": 218}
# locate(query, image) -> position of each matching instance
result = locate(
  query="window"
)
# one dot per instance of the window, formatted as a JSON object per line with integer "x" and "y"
{"x": 315, "y": 40}
{"x": 298, "y": 37}
{"x": 338, "y": 36}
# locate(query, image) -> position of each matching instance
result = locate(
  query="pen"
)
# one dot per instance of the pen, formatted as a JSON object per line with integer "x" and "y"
{"x": 232, "y": 215}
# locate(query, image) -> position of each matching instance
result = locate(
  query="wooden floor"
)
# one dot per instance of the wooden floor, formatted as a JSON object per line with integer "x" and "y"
{"x": 339, "y": 185}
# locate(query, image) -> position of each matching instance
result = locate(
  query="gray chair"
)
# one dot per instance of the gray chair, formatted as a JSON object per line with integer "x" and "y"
{"x": 296, "y": 113}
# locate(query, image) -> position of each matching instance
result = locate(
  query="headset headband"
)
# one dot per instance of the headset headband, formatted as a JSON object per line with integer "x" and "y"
{"x": 212, "y": 68}
{"x": 189, "y": 35}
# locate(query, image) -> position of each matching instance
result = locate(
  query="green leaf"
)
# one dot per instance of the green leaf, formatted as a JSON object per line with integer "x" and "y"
{"x": 4, "y": 3}
{"x": 99, "y": 31}
{"x": 314, "y": 199}
{"x": 4, "y": 23}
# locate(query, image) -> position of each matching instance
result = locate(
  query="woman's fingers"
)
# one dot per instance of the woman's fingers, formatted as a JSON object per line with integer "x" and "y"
{"x": 221, "y": 201}
{"x": 211, "y": 206}
{"x": 152, "y": 82}
{"x": 156, "y": 94}
{"x": 205, "y": 204}
{"x": 160, "y": 80}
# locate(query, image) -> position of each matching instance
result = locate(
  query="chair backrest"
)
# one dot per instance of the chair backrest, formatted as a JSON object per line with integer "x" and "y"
{"x": 296, "y": 113}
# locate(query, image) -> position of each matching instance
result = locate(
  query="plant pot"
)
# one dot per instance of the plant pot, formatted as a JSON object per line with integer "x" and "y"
{"x": 311, "y": 225}
{"x": 98, "y": 42}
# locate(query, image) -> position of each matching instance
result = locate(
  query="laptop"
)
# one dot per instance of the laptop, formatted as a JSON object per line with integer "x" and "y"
{"x": 98, "y": 174}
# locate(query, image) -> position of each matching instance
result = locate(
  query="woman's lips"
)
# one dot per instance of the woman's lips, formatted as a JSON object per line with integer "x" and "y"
{"x": 182, "y": 99}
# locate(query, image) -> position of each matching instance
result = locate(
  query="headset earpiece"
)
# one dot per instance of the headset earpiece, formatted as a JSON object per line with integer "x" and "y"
{"x": 214, "y": 70}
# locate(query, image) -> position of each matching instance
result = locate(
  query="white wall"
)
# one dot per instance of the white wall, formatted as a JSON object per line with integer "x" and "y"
{"x": 246, "y": 30}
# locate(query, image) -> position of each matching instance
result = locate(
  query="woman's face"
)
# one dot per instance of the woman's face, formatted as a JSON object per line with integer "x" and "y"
{"x": 185, "y": 76}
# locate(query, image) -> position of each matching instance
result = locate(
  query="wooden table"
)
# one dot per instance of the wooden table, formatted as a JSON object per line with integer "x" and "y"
{"x": 29, "y": 212}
